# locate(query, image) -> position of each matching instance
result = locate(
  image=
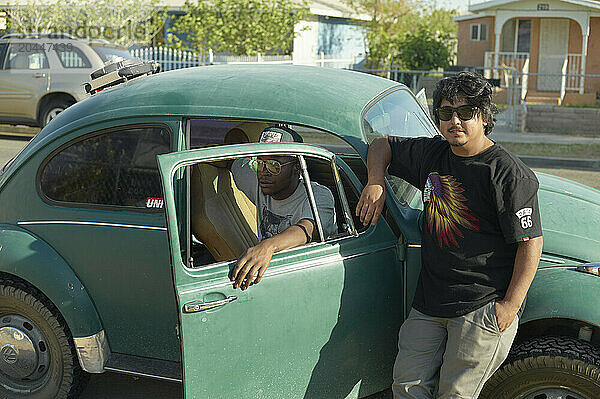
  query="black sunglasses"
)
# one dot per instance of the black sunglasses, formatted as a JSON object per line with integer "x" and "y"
{"x": 464, "y": 112}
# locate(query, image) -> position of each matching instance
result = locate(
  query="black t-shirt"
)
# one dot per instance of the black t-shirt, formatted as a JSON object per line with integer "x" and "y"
{"x": 476, "y": 210}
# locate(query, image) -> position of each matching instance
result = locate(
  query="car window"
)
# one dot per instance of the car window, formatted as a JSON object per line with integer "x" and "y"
{"x": 26, "y": 56}
{"x": 230, "y": 212}
{"x": 207, "y": 132}
{"x": 110, "y": 54}
{"x": 72, "y": 57}
{"x": 397, "y": 114}
{"x": 116, "y": 168}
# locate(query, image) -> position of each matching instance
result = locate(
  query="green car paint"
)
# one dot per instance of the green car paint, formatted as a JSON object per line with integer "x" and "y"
{"x": 328, "y": 311}
{"x": 25, "y": 255}
{"x": 326, "y": 316}
{"x": 570, "y": 290}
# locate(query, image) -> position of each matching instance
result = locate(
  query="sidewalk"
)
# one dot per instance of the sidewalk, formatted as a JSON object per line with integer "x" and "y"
{"x": 504, "y": 133}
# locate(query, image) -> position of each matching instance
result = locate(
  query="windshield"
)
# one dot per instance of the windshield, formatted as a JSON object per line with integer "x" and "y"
{"x": 110, "y": 54}
{"x": 397, "y": 114}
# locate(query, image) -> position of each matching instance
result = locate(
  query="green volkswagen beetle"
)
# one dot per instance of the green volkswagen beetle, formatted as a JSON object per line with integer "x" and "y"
{"x": 112, "y": 260}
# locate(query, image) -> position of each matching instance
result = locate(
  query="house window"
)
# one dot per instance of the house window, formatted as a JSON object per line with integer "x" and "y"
{"x": 478, "y": 32}
{"x": 523, "y": 36}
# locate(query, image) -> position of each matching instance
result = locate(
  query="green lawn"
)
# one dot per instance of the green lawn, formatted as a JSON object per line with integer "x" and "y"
{"x": 591, "y": 151}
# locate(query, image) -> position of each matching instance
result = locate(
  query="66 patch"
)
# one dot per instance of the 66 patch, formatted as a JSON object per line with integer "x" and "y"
{"x": 155, "y": 203}
{"x": 524, "y": 216}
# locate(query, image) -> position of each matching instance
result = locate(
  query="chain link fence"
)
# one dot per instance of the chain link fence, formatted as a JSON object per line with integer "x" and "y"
{"x": 566, "y": 102}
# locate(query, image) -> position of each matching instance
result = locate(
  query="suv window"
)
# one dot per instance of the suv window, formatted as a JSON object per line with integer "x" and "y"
{"x": 110, "y": 54}
{"x": 3, "y": 47}
{"x": 72, "y": 57}
{"x": 115, "y": 168}
{"x": 26, "y": 56}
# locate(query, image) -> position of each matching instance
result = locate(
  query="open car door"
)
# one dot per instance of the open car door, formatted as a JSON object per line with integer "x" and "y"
{"x": 322, "y": 323}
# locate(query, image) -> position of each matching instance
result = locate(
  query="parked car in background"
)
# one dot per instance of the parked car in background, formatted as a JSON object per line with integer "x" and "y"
{"x": 112, "y": 260}
{"x": 43, "y": 74}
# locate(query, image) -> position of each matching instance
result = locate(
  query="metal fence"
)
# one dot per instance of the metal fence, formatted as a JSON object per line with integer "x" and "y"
{"x": 514, "y": 88}
{"x": 170, "y": 58}
{"x": 514, "y": 91}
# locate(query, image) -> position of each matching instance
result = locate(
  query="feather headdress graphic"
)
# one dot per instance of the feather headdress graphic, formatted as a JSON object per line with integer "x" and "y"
{"x": 446, "y": 210}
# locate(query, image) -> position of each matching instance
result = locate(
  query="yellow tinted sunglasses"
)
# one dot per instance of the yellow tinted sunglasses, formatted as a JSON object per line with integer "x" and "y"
{"x": 273, "y": 166}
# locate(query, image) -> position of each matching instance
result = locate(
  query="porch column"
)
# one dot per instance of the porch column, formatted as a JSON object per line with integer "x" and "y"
{"x": 496, "y": 55}
{"x": 584, "y": 47}
{"x": 499, "y": 19}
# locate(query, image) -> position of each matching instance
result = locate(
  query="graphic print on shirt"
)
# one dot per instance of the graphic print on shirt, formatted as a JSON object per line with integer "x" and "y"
{"x": 446, "y": 210}
{"x": 272, "y": 224}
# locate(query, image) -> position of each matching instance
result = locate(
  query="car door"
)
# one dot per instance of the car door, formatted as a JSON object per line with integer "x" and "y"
{"x": 322, "y": 323}
{"x": 23, "y": 79}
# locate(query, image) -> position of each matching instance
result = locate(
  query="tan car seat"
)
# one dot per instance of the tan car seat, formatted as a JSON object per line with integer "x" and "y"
{"x": 223, "y": 218}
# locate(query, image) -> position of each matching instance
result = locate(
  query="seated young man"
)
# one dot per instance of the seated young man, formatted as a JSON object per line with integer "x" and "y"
{"x": 284, "y": 215}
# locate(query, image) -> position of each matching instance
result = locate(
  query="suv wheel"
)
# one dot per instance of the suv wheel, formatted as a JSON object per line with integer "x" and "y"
{"x": 37, "y": 357}
{"x": 547, "y": 368}
{"x": 52, "y": 109}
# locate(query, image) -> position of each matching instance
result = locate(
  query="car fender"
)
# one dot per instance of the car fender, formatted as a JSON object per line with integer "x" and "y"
{"x": 26, "y": 256}
{"x": 562, "y": 292}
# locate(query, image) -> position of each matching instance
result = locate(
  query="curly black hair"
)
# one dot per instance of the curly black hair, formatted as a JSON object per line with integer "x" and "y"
{"x": 471, "y": 87}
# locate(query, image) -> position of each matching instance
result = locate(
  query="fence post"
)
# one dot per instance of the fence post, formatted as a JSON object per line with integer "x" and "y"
{"x": 211, "y": 56}
{"x": 259, "y": 58}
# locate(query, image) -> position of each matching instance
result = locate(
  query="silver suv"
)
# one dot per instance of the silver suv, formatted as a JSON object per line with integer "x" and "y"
{"x": 42, "y": 74}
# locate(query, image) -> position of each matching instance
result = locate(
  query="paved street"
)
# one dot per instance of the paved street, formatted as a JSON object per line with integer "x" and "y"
{"x": 119, "y": 386}
{"x": 9, "y": 148}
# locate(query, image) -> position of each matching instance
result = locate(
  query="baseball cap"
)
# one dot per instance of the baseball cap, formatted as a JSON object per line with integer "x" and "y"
{"x": 279, "y": 134}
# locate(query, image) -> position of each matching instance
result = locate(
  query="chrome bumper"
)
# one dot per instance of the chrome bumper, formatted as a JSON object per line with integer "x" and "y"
{"x": 92, "y": 352}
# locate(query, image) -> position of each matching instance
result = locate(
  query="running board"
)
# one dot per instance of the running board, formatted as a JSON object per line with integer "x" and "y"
{"x": 144, "y": 367}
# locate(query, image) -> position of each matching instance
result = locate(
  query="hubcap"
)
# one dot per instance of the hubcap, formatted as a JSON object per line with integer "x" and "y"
{"x": 24, "y": 354}
{"x": 554, "y": 393}
{"x": 53, "y": 113}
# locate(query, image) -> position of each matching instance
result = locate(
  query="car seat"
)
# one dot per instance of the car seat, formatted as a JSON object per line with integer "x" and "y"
{"x": 223, "y": 218}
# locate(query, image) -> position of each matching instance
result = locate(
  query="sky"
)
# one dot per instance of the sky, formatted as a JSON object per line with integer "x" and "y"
{"x": 461, "y": 5}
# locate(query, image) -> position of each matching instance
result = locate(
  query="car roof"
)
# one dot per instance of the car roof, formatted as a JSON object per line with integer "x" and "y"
{"x": 325, "y": 98}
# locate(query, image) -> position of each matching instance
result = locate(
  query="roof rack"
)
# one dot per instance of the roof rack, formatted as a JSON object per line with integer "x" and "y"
{"x": 118, "y": 72}
{"x": 32, "y": 35}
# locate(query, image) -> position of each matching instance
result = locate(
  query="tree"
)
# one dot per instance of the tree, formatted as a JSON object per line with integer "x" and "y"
{"x": 425, "y": 50}
{"x": 121, "y": 21}
{"x": 407, "y": 33}
{"x": 242, "y": 27}
{"x": 390, "y": 19}
{"x": 430, "y": 45}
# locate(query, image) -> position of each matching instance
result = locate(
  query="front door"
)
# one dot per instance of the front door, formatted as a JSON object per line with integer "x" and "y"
{"x": 23, "y": 79}
{"x": 322, "y": 323}
{"x": 554, "y": 46}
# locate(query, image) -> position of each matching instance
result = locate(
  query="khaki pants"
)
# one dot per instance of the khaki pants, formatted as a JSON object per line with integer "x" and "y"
{"x": 453, "y": 356}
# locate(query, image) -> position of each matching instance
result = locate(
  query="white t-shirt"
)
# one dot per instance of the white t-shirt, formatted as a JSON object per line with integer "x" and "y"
{"x": 274, "y": 216}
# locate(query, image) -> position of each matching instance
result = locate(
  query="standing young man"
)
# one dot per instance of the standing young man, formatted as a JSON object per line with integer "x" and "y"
{"x": 481, "y": 243}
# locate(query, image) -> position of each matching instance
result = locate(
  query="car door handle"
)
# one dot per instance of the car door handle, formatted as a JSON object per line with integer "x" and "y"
{"x": 200, "y": 306}
{"x": 39, "y": 75}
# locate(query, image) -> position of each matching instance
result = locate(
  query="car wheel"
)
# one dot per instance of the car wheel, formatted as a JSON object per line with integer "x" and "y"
{"x": 37, "y": 357}
{"x": 52, "y": 109}
{"x": 547, "y": 368}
